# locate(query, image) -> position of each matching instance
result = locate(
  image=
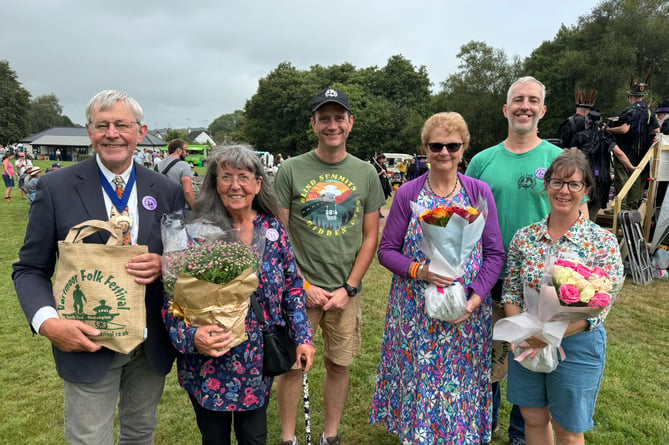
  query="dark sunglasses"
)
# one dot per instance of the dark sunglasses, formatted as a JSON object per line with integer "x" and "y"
{"x": 437, "y": 147}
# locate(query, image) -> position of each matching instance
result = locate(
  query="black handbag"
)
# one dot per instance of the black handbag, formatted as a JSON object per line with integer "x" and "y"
{"x": 280, "y": 352}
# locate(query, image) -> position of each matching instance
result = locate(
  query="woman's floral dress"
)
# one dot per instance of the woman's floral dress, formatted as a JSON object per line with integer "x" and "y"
{"x": 433, "y": 379}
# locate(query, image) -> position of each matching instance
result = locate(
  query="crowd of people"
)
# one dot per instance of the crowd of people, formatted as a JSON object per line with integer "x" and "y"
{"x": 320, "y": 219}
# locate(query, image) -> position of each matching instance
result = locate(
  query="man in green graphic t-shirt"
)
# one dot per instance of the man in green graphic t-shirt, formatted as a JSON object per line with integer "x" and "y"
{"x": 331, "y": 201}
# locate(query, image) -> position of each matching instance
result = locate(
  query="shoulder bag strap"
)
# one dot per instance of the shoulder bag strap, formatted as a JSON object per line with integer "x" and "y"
{"x": 260, "y": 317}
{"x": 169, "y": 166}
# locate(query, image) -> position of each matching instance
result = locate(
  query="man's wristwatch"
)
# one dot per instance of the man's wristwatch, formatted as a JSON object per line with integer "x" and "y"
{"x": 350, "y": 290}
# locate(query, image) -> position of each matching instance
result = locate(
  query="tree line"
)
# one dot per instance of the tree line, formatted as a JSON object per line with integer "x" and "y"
{"x": 21, "y": 115}
{"x": 617, "y": 41}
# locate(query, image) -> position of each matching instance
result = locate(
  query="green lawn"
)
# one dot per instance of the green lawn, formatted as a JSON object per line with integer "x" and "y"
{"x": 633, "y": 407}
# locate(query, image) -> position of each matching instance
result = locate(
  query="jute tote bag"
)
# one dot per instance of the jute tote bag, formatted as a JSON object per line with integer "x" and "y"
{"x": 93, "y": 286}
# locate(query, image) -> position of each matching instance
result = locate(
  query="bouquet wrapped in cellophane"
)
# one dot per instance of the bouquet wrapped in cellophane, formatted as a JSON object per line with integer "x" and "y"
{"x": 209, "y": 274}
{"x": 569, "y": 291}
{"x": 449, "y": 236}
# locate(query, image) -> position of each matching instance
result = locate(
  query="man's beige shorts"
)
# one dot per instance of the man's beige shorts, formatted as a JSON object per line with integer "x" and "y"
{"x": 341, "y": 331}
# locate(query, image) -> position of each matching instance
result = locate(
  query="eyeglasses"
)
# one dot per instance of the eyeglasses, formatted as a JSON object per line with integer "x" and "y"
{"x": 437, "y": 147}
{"x": 242, "y": 180}
{"x": 122, "y": 126}
{"x": 574, "y": 186}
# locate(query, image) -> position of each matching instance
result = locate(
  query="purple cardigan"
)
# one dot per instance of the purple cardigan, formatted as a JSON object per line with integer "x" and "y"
{"x": 390, "y": 248}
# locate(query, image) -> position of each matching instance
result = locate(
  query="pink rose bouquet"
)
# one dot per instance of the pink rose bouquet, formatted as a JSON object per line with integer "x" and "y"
{"x": 569, "y": 291}
{"x": 578, "y": 285}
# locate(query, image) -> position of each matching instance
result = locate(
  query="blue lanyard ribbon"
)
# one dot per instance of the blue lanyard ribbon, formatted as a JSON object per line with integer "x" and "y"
{"x": 122, "y": 202}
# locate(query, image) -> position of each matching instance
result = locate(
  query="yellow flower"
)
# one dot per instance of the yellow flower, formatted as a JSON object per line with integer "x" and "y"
{"x": 587, "y": 294}
{"x": 582, "y": 284}
{"x": 561, "y": 275}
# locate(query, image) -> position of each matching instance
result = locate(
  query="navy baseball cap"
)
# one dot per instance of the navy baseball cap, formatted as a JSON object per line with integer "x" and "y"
{"x": 330, "y": 95}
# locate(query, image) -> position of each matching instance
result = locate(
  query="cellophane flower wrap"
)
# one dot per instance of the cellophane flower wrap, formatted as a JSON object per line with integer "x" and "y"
{"x": 569, "y": 291}
{"x": 449, "y": 236}
{"x": 209, "y": 274}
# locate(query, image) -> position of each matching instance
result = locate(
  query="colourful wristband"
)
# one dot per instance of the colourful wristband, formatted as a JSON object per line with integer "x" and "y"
{"x": 413, "y": 269}
{"x": 306, "y": 285}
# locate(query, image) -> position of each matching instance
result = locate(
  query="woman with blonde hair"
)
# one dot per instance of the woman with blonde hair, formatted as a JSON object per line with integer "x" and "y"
{"x": 433, "y": 379}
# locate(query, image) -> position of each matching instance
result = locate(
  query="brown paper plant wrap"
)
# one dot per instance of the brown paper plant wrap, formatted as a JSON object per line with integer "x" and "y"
{"x": 211, "y": 284}
{"x": 202, "y": 303}
{"x": 92, "y": 286}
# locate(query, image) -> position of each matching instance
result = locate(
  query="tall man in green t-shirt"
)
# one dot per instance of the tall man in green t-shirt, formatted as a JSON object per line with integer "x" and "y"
{"x": 514, "y": 169}
{"x": 330, "y": 201}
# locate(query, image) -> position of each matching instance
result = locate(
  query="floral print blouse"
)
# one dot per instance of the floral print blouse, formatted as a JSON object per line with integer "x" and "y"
{"x": 235, "y": 382}
{"x": 585, "y": 241}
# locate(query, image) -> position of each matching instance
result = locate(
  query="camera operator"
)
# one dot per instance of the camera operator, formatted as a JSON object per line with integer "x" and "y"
{"x": 597, "y": 144}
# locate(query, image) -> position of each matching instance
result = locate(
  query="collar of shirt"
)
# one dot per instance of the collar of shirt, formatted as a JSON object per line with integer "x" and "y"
{"x": 573, "y": 235}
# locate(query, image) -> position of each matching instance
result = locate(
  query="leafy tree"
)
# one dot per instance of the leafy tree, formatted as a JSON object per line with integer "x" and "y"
{"x": 277, "y": 116}
{"x": 46, "y": 112}
{"x": 177, "y": 134}
{"x": 618, "y": 40}
{"x": 382, "y": 102}
{"x": 226, "y": 128}
{"x": 478, "y": 92}
{"x": 14, "y": 106}
{"x": 403, "y": 84}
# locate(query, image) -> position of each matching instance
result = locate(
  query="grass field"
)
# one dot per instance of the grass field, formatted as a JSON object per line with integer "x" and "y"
{"x": 632, "y": 409}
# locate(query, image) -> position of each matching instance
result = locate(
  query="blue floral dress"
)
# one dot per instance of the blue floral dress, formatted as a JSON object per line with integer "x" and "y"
{"x": 234, "y": 382}
{"x": 433, "y": 379}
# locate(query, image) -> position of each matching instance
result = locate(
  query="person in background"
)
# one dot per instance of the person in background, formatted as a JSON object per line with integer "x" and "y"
{"x": 157, "y": 158}
{"x": 147, "y": 159}
{"x": 8, "y": 174}
{"x": 420, "y": 376}
{"x": 411, "y": 169}
{"x": 33, "y": 175}
{"x": 402, "y": 169}
{"x": 23, "y": 164}
{"x": 635, "y": 130}
{"x": 379, "y": 162}
{"x": 177, "y": 169}
{"x": 585, "y": 101}
{"x": 514, "y": 169}
{"x": 561, "y": 403}
{"x": 99, "y": 382}
{"x": 235, "y": 194}
{"x": 139, "y": 157}
{"x": 331, "y": 201}
{"x": 662, "y": 116}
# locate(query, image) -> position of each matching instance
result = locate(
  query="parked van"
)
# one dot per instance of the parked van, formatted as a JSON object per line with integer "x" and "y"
{"x": 197, "y": 154}
{"x": 393, "y": 158}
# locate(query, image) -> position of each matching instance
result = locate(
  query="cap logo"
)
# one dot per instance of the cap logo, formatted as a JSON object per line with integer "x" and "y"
{"x": 330, "y": 93}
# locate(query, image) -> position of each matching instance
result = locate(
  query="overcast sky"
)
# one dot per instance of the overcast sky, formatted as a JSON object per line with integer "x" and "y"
{"x": 188, "y": 62}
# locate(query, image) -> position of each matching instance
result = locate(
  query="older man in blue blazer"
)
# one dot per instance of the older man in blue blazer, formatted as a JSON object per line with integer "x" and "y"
{"x": 95, "y": 378}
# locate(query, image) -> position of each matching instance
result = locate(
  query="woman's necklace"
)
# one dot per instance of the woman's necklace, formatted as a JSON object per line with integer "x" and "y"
{"x": 429, "y": 186}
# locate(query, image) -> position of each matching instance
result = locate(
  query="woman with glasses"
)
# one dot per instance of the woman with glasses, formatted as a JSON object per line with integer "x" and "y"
{"x": 568, "y": 394}
{"x": 228, "y": 388}
{"x": 433, "y": 379}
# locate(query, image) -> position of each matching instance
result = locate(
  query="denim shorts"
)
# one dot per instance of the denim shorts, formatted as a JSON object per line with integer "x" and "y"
{"x": 571, "y": 389}
{"x": 9, "y": 180}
